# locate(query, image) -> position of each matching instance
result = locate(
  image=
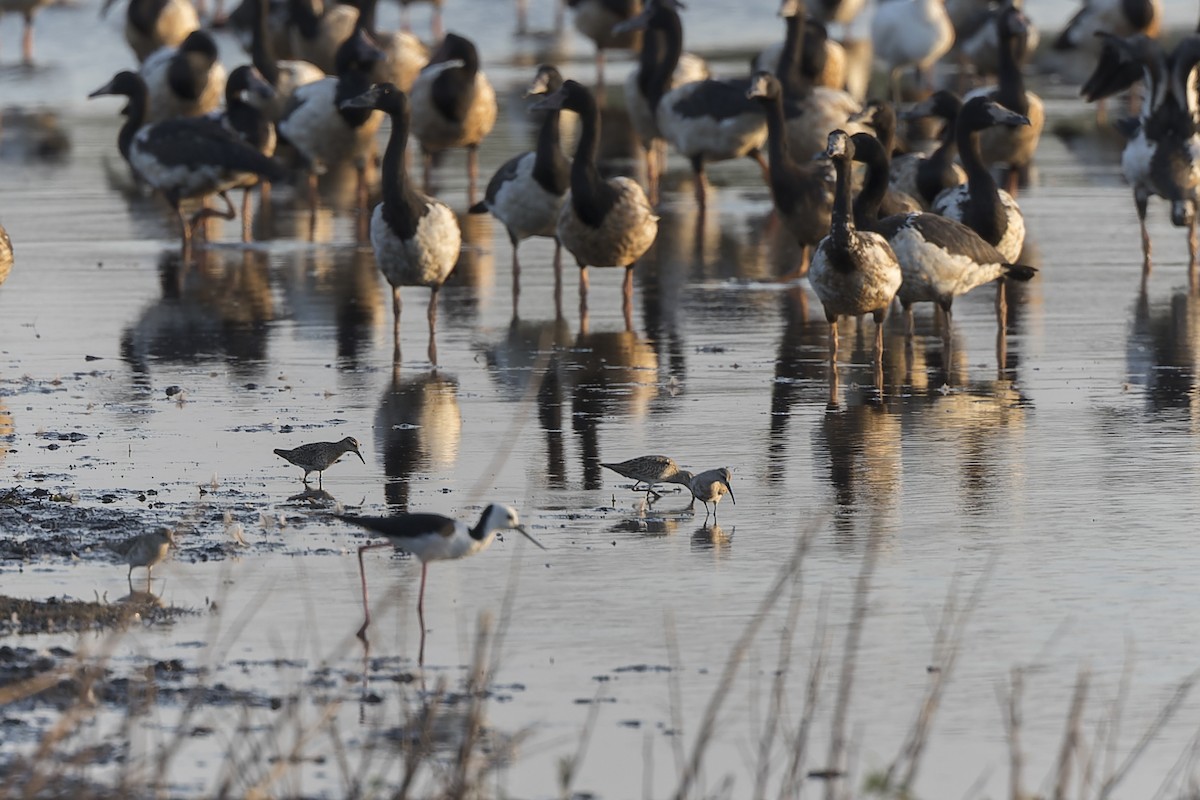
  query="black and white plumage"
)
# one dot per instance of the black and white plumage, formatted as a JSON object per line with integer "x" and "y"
{"x": 27, "y": 9}
{"x": 453, "y": 105}
{"x": 1162, "y": 156}
{"x": 802, "y": 192}
{"x": 853, "y": 272}
{"x": 824, "y": 60}
{"x": 527, "y": 192}
{"x": 248, "y": 98}
{"x": 185, "y": 158}
{"x": 977, "y": 41}
{"x": 880, "y": 117}
{"x": 911, "y": 33}
{"x": 925, "y": 176}
{"x": 184, "y": 81}
{"x": 812, "y": 112}
{"x": 323, "y": 129}
{"x": 433, "y": 537}
{"x": 416, "y": 238}
{"x": 940, "y": 258}
{"x": 285, "y": 75}
{"x": 597, "y": 19}
{"x": 404, "y": 55}
{"x": 981, "y": 204}
{"x": 705, "y": 120}
{"x": 1115, "y": 17}
{"x": 661, "y": 46}
{"x": 1012, "y": 146}
{"x": 318, "y": 31}
{"x": 604, "y": 223}
{"x": 151, "y": 24}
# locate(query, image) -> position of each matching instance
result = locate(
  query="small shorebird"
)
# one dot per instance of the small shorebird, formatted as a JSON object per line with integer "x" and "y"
{"x": 433, "y": 537}
{"x": 710, "y": 486}
{"x": 651, "y": 470}
{"x": 320, "y": 456}
{"x": 145, "y": 550}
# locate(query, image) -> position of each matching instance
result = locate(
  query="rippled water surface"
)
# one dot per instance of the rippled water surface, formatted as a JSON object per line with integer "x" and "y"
{"x": 1059, "y": 467}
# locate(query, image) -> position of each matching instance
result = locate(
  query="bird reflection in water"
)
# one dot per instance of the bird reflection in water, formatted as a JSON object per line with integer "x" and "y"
{"x": 475, "y": 273}
{"x": 711, "y": 537}
{"x": 861, "y": 443}
{"x": 531, "y": 351}
{"x": 217, "y": 307}
{"x": 615, "y": 373}
{"x": 800, "y": 374}
{"x": 418, "y": 428}
{"x": 313, "y": 498}
{"x": 1162, "y": 351}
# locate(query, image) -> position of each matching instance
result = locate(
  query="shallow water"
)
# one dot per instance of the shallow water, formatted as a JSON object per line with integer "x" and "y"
{"x": 1064, "y": 470}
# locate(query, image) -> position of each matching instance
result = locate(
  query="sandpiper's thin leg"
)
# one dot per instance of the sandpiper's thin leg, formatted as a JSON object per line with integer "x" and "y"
{"x": 432, "y": 314}
{"x": 627, "y": 298}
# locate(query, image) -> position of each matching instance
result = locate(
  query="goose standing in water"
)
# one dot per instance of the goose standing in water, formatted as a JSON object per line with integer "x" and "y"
{"x": 980, "y": 204}
{"x": 1013, "y": 147}
{"x": 645, "y": 86}
{"x": 184, "y": 81}
{"x": 416, "y": 238}
{"x": 812, "y": 112}
{"x": 1162, "y": 156}
{"x": 151, "y": 24}
{"x": 247, "y": 95}
{"x": 923, "y": 176}
{"x": 527, "y": 192}
{"x": 940, "y": 258}
{"x": 185, "y": 158}
{"x": 597, "y": 19}
{"x": 802, "y": 193}
{"x": 603, "y": 223}
{"x": 327, "y": 132}
{"x": 27, "y": 9}
{"x": 706, "y": 120}
{"x": 824, "y": 60}
{"x": 911, "y": 33}
{"x": 853, "y": 272}
{"x": 453, "y": 105}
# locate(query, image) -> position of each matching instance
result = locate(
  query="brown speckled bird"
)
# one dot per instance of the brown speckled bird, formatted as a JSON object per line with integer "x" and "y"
{"x": 320, "y": 456}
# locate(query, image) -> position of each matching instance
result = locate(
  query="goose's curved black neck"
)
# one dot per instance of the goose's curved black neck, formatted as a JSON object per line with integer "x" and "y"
{"x": 979, "y": 177}
{"x": 662, "y": 48}
{"x": 936, "y": 173}
{"x": 591, "y": 196}
{"x": 262, "y": 51}
{"x": 550, "y": 167}
{"x": 789, "y": 73}
{"x": 401, "y": 205}
{"x": 1011, "y": 90}
{"x": 135, "y": 118}
{"x": 875, "y": 184}
{"x": 305, "y": 17}
{"x": 842, "y": 227}
{"x": 985, "y": 213}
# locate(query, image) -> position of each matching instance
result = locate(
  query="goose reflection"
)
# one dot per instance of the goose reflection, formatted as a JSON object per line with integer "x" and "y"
{"x": 1162, "y": 351}
{"x": 475, "y": 273}
{"x": 418, "y": 428}
{"x": 339, "y": 286}
{"x": 614, "y": 373}
{"x": 217, "y": 308}
{"x": 861, "y": 444}
{"x": 800, "y": 375}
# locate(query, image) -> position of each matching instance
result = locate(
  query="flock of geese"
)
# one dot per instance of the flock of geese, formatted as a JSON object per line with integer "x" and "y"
{"x": 911, "y": 226}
